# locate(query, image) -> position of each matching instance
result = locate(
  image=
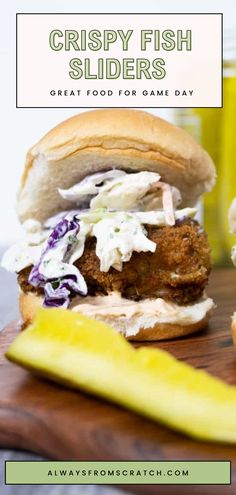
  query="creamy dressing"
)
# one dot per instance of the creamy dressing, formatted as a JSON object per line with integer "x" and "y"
{"x": 90, "y": 186}
{"x": 145, "y": 313}
{"x": 124, "y": 193}
{"x": 117, "y": 238}
{"x": 113, "y": 189}
{"x": 117, "y": 190}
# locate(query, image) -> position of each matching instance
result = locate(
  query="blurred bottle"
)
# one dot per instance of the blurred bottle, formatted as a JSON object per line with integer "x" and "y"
{"x": 215, "y": 129}
{"x": 211, "y": 130}
{"x": 205, "y": 126}
{"x": 227, "y": 175}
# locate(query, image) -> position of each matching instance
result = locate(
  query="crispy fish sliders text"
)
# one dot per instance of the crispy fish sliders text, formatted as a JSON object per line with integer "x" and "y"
{"x": 107, "y": 204}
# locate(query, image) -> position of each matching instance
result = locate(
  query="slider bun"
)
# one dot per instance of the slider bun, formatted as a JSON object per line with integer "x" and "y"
{"x": 29, "y": 304}
{"x": 232, "y": 217}
{"x": 233, "y": 327}
{"x": 98, "y": 140}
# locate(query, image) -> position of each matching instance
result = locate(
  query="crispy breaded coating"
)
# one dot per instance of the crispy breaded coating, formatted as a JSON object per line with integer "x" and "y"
{"x": 178, "y": 271}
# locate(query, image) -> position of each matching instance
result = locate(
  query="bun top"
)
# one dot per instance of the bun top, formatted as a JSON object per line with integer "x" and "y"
{"x": 131, "y": 140}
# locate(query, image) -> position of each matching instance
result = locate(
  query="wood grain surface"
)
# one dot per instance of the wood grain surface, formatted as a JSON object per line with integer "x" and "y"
{"x": 57, "y": 423}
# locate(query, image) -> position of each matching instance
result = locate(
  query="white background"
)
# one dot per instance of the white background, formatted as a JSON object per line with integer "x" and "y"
{"x": 20, "y": 128}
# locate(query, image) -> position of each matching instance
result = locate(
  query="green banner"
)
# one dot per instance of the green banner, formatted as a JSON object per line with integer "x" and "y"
{"x": 117, "y": 472}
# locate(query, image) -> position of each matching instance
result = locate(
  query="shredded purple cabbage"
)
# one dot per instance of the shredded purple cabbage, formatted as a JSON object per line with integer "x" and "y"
{"x": 59, "y": 296}
{"x": 58, "y": 291}
{"x": 52, "y": 222}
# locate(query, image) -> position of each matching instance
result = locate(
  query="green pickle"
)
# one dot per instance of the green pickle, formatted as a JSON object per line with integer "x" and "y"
{"x": 83, "y": 353}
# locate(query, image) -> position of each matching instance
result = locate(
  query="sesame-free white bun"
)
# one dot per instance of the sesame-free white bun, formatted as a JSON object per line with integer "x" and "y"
{"x": 233, "y": 327}
{"x": 29, "y": 303}
{"x": 232, "y": 217}
{"x": 232, "y": 225}
{"x": 98, "y": 140}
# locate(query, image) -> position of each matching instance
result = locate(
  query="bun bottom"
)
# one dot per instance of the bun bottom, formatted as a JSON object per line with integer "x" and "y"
{"x": 29, "y": 303}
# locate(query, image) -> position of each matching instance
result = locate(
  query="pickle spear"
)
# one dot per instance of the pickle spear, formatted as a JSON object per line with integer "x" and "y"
{"x": 83, "y": 353}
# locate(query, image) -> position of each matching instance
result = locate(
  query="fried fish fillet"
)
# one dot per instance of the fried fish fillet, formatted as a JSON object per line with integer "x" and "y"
{"x": 177, "y": 271}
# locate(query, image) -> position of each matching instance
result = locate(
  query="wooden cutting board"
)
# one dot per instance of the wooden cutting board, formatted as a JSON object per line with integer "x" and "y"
{"x": 57, "y": 423}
